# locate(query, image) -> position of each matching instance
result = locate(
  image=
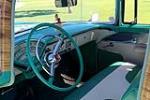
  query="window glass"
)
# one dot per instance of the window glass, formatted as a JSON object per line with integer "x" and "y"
{"x": 144, "y": 11}
{"x": 104, "y": 10}
{"x": 129, "y": 11}
{"x": 35, "y": 11}
{"x": 43, "y": 11}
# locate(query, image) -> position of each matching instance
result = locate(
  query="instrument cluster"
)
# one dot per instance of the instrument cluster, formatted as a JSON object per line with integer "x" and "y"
{"x": 20, "y": 56}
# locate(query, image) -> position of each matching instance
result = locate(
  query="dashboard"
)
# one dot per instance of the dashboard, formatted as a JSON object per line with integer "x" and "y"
{"x": 83, "y": 35}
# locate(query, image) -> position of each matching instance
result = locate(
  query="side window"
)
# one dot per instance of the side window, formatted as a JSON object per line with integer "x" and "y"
{"x": 136, "y": 11}
{"x": 129, "y": 10}
{"x": 144, "y": 11}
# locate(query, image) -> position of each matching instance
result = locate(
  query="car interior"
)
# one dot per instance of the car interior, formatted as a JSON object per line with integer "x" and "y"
{"x": 77, "y": 61}
{"x": 111, "y": 59}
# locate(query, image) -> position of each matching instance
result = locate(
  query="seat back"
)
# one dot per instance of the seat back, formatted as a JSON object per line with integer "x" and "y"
{"x": 132, "y": 92}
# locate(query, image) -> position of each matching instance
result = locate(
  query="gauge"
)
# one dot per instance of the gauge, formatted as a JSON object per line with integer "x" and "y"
{"x": 20, "y": 56}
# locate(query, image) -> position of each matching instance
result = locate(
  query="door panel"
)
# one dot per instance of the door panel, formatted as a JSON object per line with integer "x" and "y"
{"x": 131, "y": 52}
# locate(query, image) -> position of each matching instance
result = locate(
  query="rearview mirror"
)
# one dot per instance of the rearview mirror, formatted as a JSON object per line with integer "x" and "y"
{"x": 65, "y": 3}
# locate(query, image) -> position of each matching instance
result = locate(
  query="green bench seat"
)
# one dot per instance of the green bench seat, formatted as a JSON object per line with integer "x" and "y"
{"x": 109, "y": 84}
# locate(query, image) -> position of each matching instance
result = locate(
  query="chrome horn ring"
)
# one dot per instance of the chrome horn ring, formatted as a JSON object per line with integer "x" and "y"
{"x": 51, "y": 57}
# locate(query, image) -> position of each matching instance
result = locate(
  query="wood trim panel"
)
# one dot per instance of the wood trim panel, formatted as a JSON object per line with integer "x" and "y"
{"x": 5, "y": 34}
{"x": 145, "y": 93}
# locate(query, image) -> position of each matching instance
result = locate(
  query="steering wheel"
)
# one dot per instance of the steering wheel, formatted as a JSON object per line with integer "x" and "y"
{"x": 49, "y": 60}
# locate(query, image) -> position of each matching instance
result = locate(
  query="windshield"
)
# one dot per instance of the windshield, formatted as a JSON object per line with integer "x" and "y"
{"x": 37, "y": 11}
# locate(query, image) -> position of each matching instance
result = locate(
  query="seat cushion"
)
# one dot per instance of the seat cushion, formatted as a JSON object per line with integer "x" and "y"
{"x": 111, "y": 83}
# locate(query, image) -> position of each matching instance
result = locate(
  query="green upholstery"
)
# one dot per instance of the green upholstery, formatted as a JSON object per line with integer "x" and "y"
{"x": 131, "y": 93}
{"x": 132, "y": 74}
{"x": 79, "y": 93}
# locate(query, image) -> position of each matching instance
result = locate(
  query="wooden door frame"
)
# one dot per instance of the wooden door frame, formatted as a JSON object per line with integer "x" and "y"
{"x": 6, "y": 42}
{"x": 144, "y": 89}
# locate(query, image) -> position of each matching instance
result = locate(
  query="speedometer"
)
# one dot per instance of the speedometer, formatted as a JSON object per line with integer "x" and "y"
{"x": 20, "y": 56}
